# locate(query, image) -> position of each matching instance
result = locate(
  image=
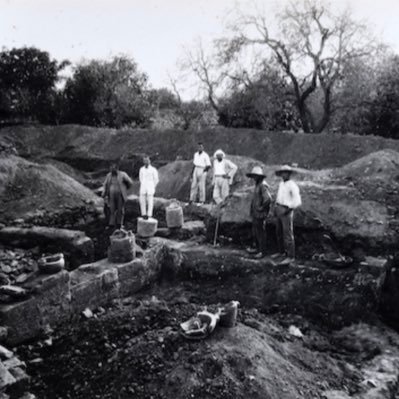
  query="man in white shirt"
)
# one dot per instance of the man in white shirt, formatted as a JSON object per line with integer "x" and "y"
{"x": 223, "y": 174}
{"x": 201, "y": 165}
{"x": 288, "y": 199}
{"x": 148, "y": 176}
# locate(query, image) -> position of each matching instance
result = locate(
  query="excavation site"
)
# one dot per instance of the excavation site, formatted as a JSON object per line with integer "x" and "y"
{"x": 175, "y": 305}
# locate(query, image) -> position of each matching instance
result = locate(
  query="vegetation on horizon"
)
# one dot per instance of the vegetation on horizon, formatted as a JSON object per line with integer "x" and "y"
{"x": 310, "y": 70}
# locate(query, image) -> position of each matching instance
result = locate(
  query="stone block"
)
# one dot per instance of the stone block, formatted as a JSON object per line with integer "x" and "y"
{"x": 93, "y": 285}
{"x": 49, "y": 305}
{"x": 14, "y": 362}
{"x": 21, "y": 384}
{"x": 23, "y": 320}
{"x": 132, "y": 277}
{"x": 373, "y": 265}
{"x": 53, "y": 297}
{"x": 6, "y": 378}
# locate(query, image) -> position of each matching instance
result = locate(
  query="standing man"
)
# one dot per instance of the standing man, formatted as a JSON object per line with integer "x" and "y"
{"x": 260, "y": 207}
{"x": 115, "y": 194}
{"x": 148, "y": 182}
{"x": 223, "y": 174}
{"x": 288, "y": 199}
{"x": 201, "y": 165}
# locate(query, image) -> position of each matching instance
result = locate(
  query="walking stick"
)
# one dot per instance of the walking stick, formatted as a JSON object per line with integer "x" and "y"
{"x": 221, "y": 206}
{"x": 216, "y": 229}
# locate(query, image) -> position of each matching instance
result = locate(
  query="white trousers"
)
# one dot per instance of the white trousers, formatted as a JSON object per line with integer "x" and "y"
{"x": 198, "y": 185}
{"x": 147, "y": 191}
{"x": 146, "y": 204}
{"x": 221, "y": 189}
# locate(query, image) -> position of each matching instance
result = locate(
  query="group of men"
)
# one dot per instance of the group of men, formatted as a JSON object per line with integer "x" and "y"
{"x": 117, "y": 184}
{"x": 223, "y": 175}
{"x": 287, "y": 200}
{"x": 115, "y": 189}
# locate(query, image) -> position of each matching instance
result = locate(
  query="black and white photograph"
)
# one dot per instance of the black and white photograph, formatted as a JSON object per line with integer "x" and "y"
{"x": 199, "y": 199}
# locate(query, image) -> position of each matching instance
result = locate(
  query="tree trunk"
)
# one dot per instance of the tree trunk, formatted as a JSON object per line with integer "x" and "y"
{"x": 326, "y": 111}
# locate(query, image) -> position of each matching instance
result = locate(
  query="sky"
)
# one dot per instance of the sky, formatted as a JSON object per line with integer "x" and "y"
{"x": 153, "y": 32}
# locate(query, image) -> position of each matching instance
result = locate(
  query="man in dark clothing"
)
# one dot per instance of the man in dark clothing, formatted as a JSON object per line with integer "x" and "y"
{"x": 260, "y": 207}
{"x": 115, "y": 195}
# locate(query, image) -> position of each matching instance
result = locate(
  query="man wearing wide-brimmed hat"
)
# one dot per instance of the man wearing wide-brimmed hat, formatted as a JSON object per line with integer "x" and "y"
{"x": 260, "y": 207}
{"x": 288, "y": 199}
{"x": 223, "y": 174}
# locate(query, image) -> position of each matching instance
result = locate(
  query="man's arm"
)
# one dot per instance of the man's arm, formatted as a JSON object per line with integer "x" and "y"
{"x": 156, "y": 177}
{"x": 295, "y": 196}
{"x": 208, "y": 164}
{"x": 105, "y": 187}
{"x": 266, "y": 197}
{"x": 141, "y": 175}
{"x": 233, "y": 170}
{"x": 128, "y": 181}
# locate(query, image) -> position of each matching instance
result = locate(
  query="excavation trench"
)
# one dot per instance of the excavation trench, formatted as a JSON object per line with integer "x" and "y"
{"x": 131, "y": 347}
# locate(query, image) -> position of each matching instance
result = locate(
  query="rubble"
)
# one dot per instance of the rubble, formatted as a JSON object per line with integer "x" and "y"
{"x": 135, "y": 348}
{"x": 124, "y": 342}
{"x": 77, "y": 247}
{"x": 14, "y": 381}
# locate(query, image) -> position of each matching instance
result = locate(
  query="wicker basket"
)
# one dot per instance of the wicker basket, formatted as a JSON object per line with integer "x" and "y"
{"x": 174, "y": 215}
{"x": 122, "y": 247}
{"x": 146, "y": 228}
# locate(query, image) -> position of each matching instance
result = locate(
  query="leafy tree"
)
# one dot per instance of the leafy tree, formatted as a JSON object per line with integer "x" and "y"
{"x": 384, "y": 107}
{"x": 264, "y": 103}
{"x": 112, "y": 93}
{"x": 310, "y": 44}
{"x": 28, "y": 77}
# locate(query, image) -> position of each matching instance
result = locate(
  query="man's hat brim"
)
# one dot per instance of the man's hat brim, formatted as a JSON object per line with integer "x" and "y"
{"x": 253, "y": 175}
{"x": 281, "y": 171}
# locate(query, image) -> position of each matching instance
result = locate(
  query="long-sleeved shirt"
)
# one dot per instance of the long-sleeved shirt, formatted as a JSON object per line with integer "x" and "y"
{"x": 201, "y": 160}
{"x": 224, "y": 167}
{"x": 149, "y": 179}
{"x": 288, "y": 195}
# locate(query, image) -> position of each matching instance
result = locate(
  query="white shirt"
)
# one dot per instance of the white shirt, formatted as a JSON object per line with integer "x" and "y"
{"x": 224, "y": 167}
{"x": 201, "y": 160}
{"x": 148, "y": 179}
{"x": 288, "y": 194}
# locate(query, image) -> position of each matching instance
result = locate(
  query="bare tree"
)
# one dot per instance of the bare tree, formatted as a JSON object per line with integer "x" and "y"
{"x": 311, "y": 45}
{"x": 206, "y": 70}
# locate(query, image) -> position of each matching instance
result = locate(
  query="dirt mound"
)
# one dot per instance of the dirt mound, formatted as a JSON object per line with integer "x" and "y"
{"x": 75, "y": 144}
{"x": 27, "y": 187}
{"x": 135, "y": 350}
{"x": 357, "y": 202}
{"x": 383, "y": 165}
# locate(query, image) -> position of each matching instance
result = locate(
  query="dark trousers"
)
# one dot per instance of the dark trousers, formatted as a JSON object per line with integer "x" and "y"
{"x": 259, "y": 234}
{"x": 116, "y": 209}
{"x": 285, "y": 233}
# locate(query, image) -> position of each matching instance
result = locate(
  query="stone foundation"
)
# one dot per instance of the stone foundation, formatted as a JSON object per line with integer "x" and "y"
{"x": 334, "y": 297}
{"x": 56, "y": 298}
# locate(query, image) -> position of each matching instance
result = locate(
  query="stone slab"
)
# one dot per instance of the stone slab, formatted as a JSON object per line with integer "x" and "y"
{"x": 94, "y": 284}
{"x": 49, "y": 305}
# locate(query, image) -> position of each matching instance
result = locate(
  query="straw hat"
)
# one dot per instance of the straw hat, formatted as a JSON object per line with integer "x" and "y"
{"x": 256, "y": 172}
{"x": 284, "y": 169}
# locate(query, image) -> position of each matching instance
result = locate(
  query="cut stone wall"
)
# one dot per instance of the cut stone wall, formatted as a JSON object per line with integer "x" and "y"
{"x": 56, "y": 298}
{"x": 334, "y": 297}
